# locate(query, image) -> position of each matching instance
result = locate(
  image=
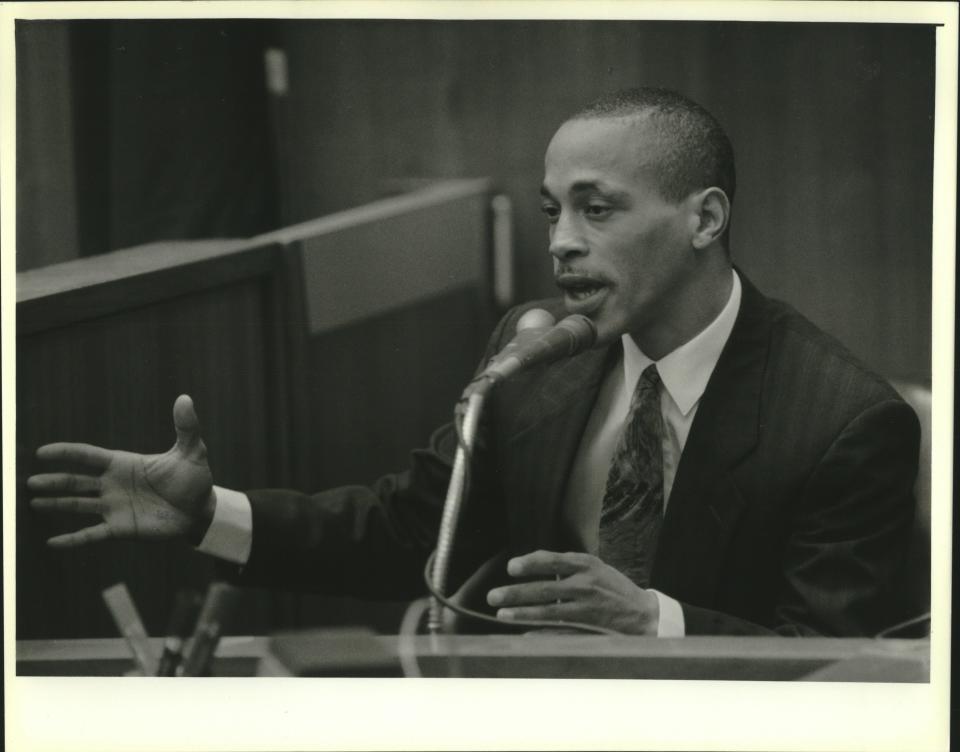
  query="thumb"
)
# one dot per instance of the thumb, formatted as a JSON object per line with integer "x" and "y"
{"x": 187, "y": 424}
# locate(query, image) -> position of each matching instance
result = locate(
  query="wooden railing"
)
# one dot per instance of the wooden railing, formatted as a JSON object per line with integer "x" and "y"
{"x": 284, "y": 341}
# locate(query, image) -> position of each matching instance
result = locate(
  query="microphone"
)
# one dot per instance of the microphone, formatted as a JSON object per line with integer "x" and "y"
{"x": 539, "y": 341}
{"x": 185, "y": 610}
{"x": 221, "y": 600}
{"x": 128, "y": 621}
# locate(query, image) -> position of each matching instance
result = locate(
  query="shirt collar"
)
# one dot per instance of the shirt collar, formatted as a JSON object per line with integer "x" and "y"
{"x": 686, "y": 371}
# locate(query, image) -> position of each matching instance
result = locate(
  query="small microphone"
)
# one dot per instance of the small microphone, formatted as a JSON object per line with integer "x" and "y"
{"x": 128, "y": 621}
{"x": 532, "y": 325}
{"x": 220, "y": 602}
{"x": 537, "y": 341}
{"x": 185, "y": 610}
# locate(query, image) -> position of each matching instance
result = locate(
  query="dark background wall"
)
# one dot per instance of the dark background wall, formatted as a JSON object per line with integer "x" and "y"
{"x": 133, "y": 132}
{"x": 140, "y": 130}
{"x": 832, "y": 125}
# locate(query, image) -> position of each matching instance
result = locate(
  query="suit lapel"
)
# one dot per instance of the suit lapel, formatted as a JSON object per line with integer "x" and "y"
{"x": 705, "y": 502}
{"x": 544, "y": 436}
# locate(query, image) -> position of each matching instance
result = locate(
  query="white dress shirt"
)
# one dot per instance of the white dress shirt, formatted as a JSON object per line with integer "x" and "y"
{"x": 684, "y": 373}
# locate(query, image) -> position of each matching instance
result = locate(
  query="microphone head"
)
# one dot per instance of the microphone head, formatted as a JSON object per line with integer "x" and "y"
{"x": 582, "y": 330}
{"x": 541, "y": 343}
{"x": 535, "y": 318}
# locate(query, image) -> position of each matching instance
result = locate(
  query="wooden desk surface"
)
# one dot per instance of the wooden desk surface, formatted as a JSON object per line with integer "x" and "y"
{"x": 333, "y": 653}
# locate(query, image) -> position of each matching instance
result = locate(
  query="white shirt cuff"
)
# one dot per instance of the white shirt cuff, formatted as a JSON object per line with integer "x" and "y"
{"x": 230, "y": 534}
{"x": 671, "y": 622}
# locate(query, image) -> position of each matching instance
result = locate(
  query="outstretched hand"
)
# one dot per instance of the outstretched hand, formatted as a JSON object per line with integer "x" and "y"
{"x": 575, "y": 587}
{"x": 155, "y": 496}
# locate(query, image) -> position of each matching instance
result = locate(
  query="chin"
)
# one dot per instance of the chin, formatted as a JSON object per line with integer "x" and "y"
{"x": 607, "y": 331}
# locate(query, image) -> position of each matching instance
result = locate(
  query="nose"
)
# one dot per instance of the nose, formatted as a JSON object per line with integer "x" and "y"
{"x": 566, "y": 238}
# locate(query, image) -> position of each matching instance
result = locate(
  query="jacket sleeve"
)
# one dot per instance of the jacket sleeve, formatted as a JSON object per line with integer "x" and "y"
{"x": 374, "y": 541}
{"x": 847, "y": 534}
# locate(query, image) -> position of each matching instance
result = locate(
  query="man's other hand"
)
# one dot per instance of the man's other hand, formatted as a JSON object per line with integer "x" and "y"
{"x": 156, "y": 496}
{"x": 575, "y": 587}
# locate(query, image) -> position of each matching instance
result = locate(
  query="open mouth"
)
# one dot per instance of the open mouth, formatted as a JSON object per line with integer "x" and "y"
{"x": 583, "y": 292}
{"x": 580, "y": 290}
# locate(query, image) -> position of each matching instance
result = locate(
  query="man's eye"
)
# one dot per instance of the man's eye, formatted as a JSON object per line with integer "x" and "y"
{"x": 597, "y": 210}
{"x": 551, "y": 212}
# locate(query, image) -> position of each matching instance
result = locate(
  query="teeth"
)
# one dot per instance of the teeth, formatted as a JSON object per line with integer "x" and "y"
{"x": 582, "y": 293}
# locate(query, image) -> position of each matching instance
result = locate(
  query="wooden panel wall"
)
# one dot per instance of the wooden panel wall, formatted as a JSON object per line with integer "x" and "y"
{"x": 832, "y": 125}
{"x": 106, "y": 344}
{"x": 129, "y": 132}
{"x": 365, "y": 394}
{"x": 112, "y": 381}
{"x": 47, "y": 229}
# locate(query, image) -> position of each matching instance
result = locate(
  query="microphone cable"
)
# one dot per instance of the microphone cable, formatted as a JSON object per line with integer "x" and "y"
{"x": 531, "y": 623}
{"x": 903, "y": 625}
{"x": 406, "y": 650}
{"x": 477, "y": 615}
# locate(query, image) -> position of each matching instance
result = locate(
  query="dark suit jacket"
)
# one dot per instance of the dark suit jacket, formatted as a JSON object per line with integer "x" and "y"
{"x": 790, "y": 510}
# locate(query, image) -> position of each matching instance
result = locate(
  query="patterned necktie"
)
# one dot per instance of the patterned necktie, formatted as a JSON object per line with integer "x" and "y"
{"x": 633, "y": 499}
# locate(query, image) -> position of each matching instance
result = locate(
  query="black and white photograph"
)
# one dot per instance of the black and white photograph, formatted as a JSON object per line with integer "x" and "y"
{"x": 478, "y": 375}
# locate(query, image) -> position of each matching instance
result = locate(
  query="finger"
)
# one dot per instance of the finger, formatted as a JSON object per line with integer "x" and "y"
{"x": 47, "y": 482}
{"x": 546, "y": 612}
{"x": 94, "y": 457}
{"x": 187, "y": 425}
{"x": 527, "y": 593}
{"x": 73, "y": 504}
{"x": 81, "y": 537}
{"x": 548, "y": 564}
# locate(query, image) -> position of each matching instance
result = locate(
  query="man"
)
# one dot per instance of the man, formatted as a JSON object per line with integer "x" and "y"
{"x": 715, "y": 465}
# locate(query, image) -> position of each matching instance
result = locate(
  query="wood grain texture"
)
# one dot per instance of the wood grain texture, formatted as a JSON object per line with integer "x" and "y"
{"x": 106, "y": 344}
{"x": 132, "y": 131}
{"x": 47, "y": 223}
{"x": 832, "y": 125}
{"x": 374, "y": 269}
{"x": 544, "y": 655}
{"x": 112, "y": 381}
{"x": 110, "y": 282}
{"x": 363, "y": 394}
{"x": 370, "y": 384}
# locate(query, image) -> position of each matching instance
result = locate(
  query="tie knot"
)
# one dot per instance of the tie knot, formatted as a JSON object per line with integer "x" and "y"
{"x": 647, "y": 388}
{"x": 650, "y": 375}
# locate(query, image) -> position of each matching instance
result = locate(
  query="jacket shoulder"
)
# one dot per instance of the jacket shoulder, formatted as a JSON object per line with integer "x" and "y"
{"x": 818, "y": 370}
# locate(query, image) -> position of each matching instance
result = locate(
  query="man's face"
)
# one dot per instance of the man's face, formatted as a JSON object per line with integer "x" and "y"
{"x": 621, "y": 252}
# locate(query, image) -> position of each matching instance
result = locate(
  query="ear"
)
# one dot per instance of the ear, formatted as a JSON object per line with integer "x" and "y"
{"x": 712, "y": 208}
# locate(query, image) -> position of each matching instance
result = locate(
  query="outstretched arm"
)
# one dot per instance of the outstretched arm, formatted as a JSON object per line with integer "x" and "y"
{"x": 156, "y": 496}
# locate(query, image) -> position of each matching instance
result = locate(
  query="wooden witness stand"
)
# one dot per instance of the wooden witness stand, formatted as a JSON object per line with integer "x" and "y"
{"x": 295, "y": 346}
{"x": 352, "y": 653}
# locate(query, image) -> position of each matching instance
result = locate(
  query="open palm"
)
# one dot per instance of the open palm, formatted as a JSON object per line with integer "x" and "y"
{"x": 153, "y": 496}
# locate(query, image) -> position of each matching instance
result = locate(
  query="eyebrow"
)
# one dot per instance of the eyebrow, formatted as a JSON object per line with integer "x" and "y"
{"x": 585, "y": 186}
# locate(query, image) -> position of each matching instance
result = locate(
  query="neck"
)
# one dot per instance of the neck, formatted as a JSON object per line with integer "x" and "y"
{"x": 690, "y": 310}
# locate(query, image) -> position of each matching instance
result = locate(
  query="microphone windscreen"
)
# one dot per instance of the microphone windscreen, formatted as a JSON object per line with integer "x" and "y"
{"x": 583, "y": 331}
{"x": 535, "y": 318}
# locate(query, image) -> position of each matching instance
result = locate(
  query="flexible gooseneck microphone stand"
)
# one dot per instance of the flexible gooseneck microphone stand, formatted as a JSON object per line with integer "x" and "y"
{"x": 537, "y": 341}
{"x": 467, "y": 432}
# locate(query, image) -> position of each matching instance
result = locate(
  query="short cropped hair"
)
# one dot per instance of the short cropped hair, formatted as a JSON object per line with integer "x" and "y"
{"x": 697, "y": 152}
